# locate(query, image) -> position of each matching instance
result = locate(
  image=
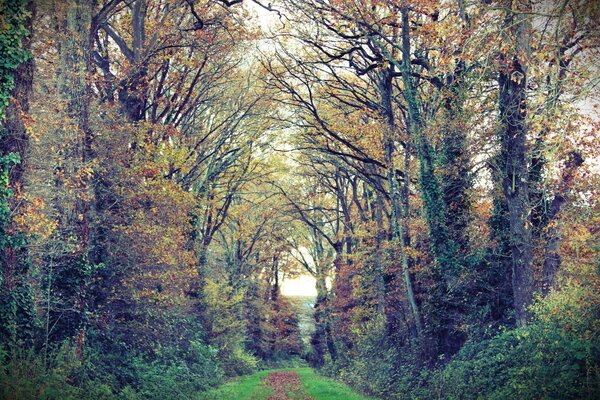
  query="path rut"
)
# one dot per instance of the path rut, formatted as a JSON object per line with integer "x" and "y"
{"x": 286, "y": 385}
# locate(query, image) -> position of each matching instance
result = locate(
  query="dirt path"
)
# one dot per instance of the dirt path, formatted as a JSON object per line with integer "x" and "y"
{"x": 286, "y": 385}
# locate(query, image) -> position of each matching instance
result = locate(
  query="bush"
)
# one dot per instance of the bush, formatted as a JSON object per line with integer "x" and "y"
{"x": 26, "y": 375}
{"x": 555, "y": 357}
{"x": 371, "y": 365}
{"x": 160, "y": 381}
{"x": 172, "y": 373}
{"x": 237, "y": 362}
{"x": 179, "y": 375}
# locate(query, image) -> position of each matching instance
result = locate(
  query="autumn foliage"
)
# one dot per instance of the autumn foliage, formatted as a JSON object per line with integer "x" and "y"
{"x": 167, "y": 166}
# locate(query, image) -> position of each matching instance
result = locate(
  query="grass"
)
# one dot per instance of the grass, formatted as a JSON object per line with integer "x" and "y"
{"x": 252, "y": 387}
{"x": 321, "y": 388}
{"x": 249, "y": 387}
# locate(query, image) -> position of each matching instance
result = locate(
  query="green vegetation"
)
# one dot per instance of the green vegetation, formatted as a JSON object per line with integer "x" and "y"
{"x": 321, "y": 388}
{"x": 169, "y": 168}
{"x": 249, "y": 387}
{"x": 61, "y": 374}
{"x": 252, "y": 387}
{"x": 554, "y": 357}
{"x": 13, "y": 14}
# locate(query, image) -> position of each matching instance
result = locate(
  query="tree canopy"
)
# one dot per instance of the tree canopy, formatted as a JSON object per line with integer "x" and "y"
{"x": 166, "y": 166}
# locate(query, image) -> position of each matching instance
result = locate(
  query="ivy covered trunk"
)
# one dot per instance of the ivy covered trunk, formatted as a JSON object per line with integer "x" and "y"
{"x": 457, "y": 177}
{"x": 445, "y": 302}
{"x": 397, "y": 225}
{"x": 74, "y": 176}
{"x": 512, "y": 82}
{"x": 17, "y": 313}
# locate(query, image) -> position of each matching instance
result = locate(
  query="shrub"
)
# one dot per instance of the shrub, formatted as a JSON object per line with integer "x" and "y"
{"x": 172, "y": 373}
{"x": 237, "y": 362}
{"x": 26, "y": 375}
{"x": 371, "y": 364}
{"x": 555, "y": 357}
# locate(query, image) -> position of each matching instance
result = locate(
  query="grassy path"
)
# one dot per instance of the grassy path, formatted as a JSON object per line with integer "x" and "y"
{"x": 288, "y": 384}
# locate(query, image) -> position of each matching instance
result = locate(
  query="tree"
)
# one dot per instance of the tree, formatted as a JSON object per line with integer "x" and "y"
{"x": 17, "y": 316}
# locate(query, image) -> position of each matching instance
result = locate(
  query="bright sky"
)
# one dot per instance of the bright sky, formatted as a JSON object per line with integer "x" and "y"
{"x": 304, "y": 285}
{"x": 265, "y": 19}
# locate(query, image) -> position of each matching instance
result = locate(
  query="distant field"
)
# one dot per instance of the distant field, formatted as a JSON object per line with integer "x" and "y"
{"x": 304, "y": 306}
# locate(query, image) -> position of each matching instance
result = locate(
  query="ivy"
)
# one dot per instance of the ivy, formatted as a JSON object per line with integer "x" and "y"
{"x": 17, "y": 314}
{"x": 6, "y": 162}
{"x": 13, "y": 15}
{"x": 16, "y": 311}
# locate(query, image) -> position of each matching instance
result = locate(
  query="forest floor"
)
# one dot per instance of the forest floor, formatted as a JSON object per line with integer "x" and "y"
{"x": 286, "y": 384}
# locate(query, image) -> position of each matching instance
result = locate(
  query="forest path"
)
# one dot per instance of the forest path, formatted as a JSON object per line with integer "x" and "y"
{"x": 283, "y": 384}
{"x": 286, "y": 385}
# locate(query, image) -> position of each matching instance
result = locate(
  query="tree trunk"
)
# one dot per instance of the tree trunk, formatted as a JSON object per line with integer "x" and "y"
{"x": 553, "y": 232}
{"x": 17, "y": 313}
{"x": 445, "y": 301}
{"x": 398, "y": 234}
{"x": 456, "y": 168}
{"x": 515, "y": 182}
{"x": 75, "y": 49}
{"x": 378, "y": 260}
{"x": 133, "y": 91}
{"x": 321, "y": 338}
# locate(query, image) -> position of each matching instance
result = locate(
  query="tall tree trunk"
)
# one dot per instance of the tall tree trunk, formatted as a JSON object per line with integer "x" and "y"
{"x": 457, "y": 178}
{"x": 445, "y": 300}
{"x": 17, "y": 313}
{"x": 397, "y": 227}
{"x": 515, "y": 181}
{"x": 73, "y": 86}
{"x": 133, "y": 91}
{"x": 322, "y": 335}
{"x": 553, "y": 231}
{"x": 75, "y": 49}
{"x": 381, "y": 277}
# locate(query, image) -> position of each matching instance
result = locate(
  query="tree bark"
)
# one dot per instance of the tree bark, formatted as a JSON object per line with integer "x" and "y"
{"x": 515, "y": 181}
{"x": 75, "y": 51}
{"x": 14, "y": 138}
{"x": 398, "y": 234}
{"x": 553, "y": 237}
{"x": 322, "y": 334}
{"x": 16, "y": 295}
